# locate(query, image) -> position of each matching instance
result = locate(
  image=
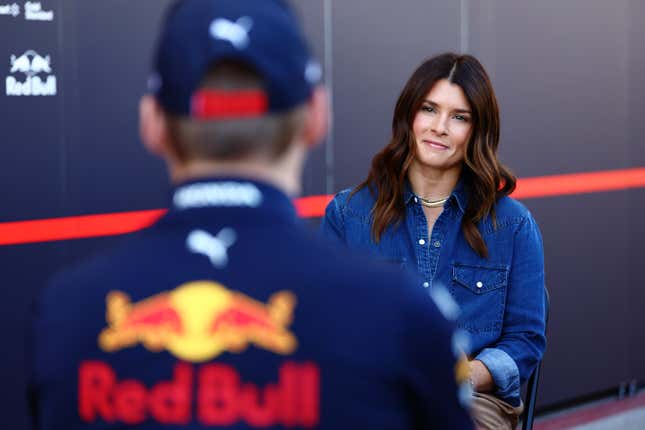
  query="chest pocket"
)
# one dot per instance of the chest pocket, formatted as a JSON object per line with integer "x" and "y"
{"x": 481, "y": 294}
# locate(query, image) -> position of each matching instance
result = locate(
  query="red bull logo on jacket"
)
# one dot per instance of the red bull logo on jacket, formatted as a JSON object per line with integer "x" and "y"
{"x": 220, "y": 396}
{"x": 198, "y": 321}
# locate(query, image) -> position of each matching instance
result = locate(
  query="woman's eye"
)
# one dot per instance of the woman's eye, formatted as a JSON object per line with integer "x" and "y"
{"x": 428, "y": 108}
{"x": 461, "y": 118}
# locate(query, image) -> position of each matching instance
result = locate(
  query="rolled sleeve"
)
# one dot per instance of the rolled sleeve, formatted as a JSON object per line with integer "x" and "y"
{"x": 505, "y": 373}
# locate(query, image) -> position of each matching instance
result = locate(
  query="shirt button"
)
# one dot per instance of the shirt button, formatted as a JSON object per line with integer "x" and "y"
{"x": 422, "y": 242}
{"x": 416, "y": 200}
{"x": 426, "y": 285}
{"x": 437, "y": 244}
{"x": 479, "y": 284}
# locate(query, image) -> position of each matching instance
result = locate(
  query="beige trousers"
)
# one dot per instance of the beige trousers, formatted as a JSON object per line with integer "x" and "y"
{"x": 491, "y": 413}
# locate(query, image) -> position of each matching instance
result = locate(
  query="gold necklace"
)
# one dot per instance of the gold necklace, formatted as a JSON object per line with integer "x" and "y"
{"x": 432, "y": 203}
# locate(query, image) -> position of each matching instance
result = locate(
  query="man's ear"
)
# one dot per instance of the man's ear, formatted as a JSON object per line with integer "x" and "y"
{"x": 153, "y": 127}
{"x": 318, "y": 118}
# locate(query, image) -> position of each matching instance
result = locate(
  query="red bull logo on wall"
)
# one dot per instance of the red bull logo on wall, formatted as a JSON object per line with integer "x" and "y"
{"x": 38, "y": 79}
{"x": 198, "y": 321}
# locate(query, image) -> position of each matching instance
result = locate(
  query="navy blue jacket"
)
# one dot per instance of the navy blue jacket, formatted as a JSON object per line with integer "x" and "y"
{"x": 227, "y": 313}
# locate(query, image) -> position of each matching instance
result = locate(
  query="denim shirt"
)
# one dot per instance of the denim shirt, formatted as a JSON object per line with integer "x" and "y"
{"x": 501, "y": 298}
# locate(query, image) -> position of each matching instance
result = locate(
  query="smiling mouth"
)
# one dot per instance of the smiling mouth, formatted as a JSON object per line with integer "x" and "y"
{"x": 435, "y": 145}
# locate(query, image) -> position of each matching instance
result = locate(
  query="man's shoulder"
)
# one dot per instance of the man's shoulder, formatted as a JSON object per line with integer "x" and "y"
{"x": 299, "y": 258}
{"x": 105, "y": 267}
{"x": 146, "y": 252}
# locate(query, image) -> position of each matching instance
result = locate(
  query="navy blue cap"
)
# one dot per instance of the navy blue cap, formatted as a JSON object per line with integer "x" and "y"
{"x": 264, "y": 34}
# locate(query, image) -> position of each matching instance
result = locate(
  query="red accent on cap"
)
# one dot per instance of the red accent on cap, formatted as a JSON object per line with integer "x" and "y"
{"x": 210, "y": 104}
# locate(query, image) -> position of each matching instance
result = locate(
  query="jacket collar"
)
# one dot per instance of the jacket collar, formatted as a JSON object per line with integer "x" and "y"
{"x": 231, "y": 193}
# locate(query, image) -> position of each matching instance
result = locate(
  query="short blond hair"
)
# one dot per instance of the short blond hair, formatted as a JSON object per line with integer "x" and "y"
{"x": 234, "y": 139}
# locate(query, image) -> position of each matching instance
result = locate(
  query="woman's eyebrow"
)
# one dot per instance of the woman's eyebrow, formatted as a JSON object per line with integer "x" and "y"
{"x": 430, "y": 102}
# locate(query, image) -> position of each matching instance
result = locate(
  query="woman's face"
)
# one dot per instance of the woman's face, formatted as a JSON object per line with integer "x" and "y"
{"x": 442, "y": 128}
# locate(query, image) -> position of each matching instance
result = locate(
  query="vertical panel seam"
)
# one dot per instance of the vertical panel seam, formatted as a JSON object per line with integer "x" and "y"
{"x": 62, "y": 138}
{"x": 464, "y": 24}
{"x": 329, "y": 81}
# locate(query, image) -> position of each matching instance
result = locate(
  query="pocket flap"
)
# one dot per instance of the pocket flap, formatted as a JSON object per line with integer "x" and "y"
{"x": 479, "y": 279}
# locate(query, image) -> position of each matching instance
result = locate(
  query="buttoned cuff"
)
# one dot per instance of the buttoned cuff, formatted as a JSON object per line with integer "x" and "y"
{"x": 505, "y": 374}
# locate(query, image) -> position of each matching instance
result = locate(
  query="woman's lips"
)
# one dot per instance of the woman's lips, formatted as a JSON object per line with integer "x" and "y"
{"x": 435, "y": 145}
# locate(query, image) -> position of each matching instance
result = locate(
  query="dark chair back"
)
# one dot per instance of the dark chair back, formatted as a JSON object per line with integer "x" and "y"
{"x": 534, "y": 379}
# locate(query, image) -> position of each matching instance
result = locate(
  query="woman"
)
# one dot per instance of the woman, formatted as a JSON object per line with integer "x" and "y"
{"x": 436, "y": 201}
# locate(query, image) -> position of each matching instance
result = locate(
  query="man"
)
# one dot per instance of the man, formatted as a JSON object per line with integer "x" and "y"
{"x": 225, "y": 313}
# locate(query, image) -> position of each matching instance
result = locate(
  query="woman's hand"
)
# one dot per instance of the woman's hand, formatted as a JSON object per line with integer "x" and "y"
{"x": 480, "y": 377}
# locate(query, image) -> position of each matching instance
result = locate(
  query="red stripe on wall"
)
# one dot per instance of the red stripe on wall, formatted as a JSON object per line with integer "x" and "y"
{"x": 76, "y": 227}
{"x": 312, "y": 206}
{"x": 110, "y": 224}
{"x": 580, "y": 183}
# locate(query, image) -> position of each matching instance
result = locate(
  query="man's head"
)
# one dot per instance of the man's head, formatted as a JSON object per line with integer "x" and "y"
{"x": 234, "y": 81}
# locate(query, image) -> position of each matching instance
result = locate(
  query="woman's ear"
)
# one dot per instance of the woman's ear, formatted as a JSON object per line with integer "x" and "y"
{"x": 318, "y": 117}
{"x": 153, "y": 127}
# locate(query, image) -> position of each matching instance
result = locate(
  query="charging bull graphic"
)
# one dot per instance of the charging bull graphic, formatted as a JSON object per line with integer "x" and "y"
{"x": 198, "y": 321}
{"x": 31, "y": 64}
{"x": 21, "y": 64}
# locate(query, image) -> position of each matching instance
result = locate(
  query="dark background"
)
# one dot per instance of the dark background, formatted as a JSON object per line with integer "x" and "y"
{"x": 568, "y": 75}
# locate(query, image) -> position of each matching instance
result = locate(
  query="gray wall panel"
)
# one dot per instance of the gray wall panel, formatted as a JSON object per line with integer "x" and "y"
{"x": 567, "y": 77}
{"x": 636, "y": 298}
{"x": 376, "y": 48}
{"x": 31, "y": 170}
{"x": 636, "y": 127}
{"x": 561, "y": 82}
{"x": 109, "y": 170}
{"x": 635, "y": 81}
{"x": 587, "y": 347}
{"x": 636, "y": 208}
{"x": 312, "y": 14}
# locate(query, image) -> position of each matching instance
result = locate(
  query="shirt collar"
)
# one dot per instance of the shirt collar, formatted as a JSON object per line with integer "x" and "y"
{"x": 230, "y": 193}
{"x": 459, "y": 194}
{"x": 408, "y": 195}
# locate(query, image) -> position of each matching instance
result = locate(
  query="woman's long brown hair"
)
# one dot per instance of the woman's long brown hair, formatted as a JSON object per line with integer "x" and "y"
{"x": 486, "y": 179}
